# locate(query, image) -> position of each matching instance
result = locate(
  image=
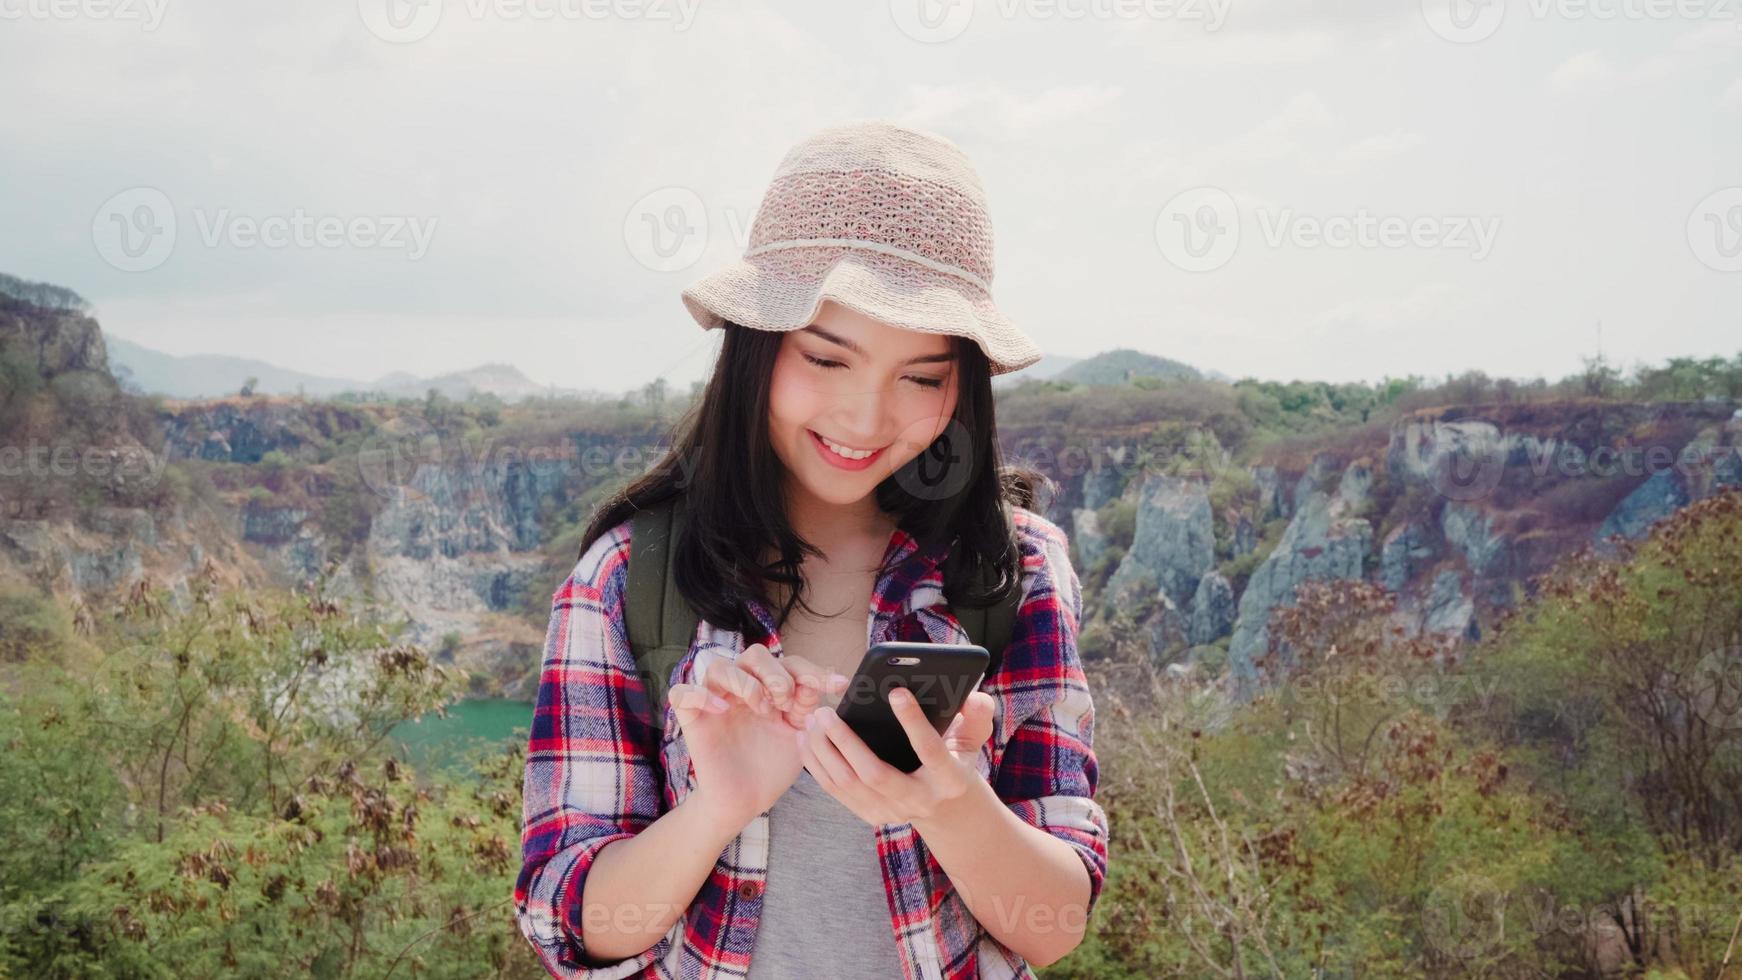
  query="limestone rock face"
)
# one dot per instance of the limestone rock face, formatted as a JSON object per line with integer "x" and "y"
{"x": 1101, "y": 484}
{"x": 1245, "y": 536}
{"x": 1087, "y": 535}
{"x": 244, "y": 430}
{"x": 1174, "y": 543}
{"x": 1270, "y": 501}
{"x": 1407, "y": 549}
{"x": 53, "y": 341}
{"x": 1213, "y": 610}
{"x": 1662, "y": 494}
{"x": 266, "y": 523}
{"x": 1321, "y": 544}
{"x": 1355, "y": 489}
{"x": 1167, "y": 628}
{"x": 1448, "y": 607}
{"x": 1312, "y": 481}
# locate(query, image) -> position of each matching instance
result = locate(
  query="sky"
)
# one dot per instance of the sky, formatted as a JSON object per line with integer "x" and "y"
{"x": 1278, "y": 189}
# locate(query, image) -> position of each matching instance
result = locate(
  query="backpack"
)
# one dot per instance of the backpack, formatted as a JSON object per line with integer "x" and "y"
{"x": 662, "y": 624}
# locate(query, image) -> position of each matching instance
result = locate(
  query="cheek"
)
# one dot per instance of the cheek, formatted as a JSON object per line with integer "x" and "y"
{"x": 924, "y": 417}
{"x": 791, "y": 402}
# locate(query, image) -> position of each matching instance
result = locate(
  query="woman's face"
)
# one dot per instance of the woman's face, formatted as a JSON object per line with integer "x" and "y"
{"x": 864, "y": 385}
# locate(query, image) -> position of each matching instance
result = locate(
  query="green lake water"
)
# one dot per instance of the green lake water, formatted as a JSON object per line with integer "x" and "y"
{"x": 434, "y": 742}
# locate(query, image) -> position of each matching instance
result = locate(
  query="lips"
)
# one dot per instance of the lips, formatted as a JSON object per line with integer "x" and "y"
{"x": 843, "y": 462}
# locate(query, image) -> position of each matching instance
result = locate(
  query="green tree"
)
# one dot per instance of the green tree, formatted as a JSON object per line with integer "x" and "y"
{"x": 217, "y": 796}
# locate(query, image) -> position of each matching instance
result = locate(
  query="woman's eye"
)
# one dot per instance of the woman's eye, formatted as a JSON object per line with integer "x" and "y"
{"x": 828, "y": 365}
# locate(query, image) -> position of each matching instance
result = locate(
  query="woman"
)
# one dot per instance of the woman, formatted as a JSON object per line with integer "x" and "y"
{"x": 842, "y": 458}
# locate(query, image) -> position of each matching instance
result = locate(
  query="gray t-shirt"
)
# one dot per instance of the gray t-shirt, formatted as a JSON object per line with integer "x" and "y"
{"x": 824, "y": 911}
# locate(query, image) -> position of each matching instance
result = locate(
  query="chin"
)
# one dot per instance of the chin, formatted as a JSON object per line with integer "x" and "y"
{"x": 843, "y": 492}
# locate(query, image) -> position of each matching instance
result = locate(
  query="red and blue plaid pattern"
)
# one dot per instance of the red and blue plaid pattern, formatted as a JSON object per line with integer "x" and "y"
{"x": 594, "y": 772}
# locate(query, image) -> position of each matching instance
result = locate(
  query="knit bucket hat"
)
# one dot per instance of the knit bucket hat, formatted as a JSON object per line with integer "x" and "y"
{"x": 879, "y": 217}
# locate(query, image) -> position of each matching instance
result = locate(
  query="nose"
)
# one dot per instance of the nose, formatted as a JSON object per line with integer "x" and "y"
{"x": 861, "y": 418}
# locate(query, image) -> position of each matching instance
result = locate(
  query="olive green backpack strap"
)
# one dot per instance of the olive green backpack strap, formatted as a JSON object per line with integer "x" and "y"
{"x": 660, "y": 621}
{"x": 990, "y": 626}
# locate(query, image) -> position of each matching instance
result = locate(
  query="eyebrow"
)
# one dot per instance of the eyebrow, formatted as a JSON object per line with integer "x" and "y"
{"x": 949, "y": 355}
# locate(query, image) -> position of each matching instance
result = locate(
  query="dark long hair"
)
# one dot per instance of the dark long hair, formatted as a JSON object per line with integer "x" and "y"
{"x": 735, "y": 504}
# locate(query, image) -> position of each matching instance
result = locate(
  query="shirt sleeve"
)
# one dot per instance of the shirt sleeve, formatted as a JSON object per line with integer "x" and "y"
{"x": 1046, "y": 771}
{"x": 593, "y": 774}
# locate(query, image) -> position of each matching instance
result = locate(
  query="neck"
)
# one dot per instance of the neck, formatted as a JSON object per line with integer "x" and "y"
{"x": 832, "y": 526}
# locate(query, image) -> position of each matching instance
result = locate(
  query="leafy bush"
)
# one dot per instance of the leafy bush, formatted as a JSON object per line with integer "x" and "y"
{"x": 32, "y": 627}
{"x": 218, "y": 796}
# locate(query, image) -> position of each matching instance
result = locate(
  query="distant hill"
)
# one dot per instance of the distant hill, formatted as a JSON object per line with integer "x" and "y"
{"x": 217, "y": 375}
{"x": 1048, "y": 366}
{"x": 214, "y": 375}
{"x": 502, "y": 380}
{"x": 1121, "y": 365}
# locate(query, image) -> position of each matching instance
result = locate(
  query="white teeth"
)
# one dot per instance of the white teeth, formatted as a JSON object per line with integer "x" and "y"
{"x": 849, "y": 453}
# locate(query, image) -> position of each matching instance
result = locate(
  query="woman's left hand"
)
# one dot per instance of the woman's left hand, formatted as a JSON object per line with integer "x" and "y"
{"x": 877, "y": 792}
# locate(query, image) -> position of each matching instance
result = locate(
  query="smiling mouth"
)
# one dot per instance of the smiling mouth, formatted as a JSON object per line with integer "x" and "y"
{"x": 843, "y": 452}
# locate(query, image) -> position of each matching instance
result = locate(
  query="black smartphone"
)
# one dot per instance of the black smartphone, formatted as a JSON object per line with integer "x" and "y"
{"x": 940, "y": 675}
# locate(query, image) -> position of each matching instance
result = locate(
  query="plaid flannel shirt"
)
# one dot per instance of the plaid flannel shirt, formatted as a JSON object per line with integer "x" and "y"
{"x": 594, "y": 773}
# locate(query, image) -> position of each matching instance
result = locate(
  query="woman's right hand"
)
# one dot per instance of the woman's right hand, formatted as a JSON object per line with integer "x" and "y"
{"x": 738, "y": 723}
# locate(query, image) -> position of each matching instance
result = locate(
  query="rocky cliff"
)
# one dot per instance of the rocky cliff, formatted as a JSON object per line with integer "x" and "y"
{"x": 1455, "y": 510}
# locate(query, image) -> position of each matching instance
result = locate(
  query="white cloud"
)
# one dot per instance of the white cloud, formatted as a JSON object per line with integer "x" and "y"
{"x": 1690, "y": 51}
{"x": 531, "y": 141}
{"x": 1183, "y": 46}
{"x": 1373, "y": 149}
{"x": 1428, "y": 303}
{"x": 1585, "y": 70}
{"x": 1012, "y": 114}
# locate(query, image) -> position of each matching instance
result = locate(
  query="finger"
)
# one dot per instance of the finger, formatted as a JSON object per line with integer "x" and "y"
{"x": 795, "y": 717}
{"x": 926, "y": 742}
{"x": 691, "y": 701}
{"x": 760, "y": 664}
{"x": 813, "y": 676}
{"x": 808, "y": 684}
{"x": 812, "y": 682}
{"x": 812, "y": 764}
{"x": 973, "y": 725}
{"x": 840, "y": 773}
{"x": 876, "y": 774}
{"x": 725, "y": 678}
